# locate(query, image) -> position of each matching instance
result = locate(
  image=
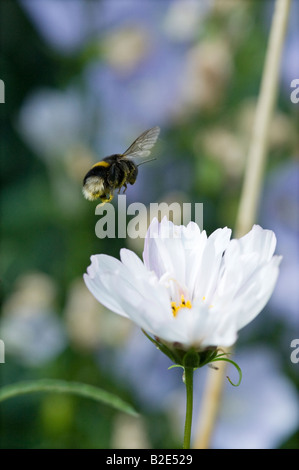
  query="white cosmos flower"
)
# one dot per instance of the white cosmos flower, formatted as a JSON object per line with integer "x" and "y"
{"x": 191, "y": 290}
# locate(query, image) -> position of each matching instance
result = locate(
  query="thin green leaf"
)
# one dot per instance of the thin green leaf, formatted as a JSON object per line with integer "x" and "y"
{"x": 61, "y": 386}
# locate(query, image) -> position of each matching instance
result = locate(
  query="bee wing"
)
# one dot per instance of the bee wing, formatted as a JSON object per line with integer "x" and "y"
{"x": 142, "y": 145}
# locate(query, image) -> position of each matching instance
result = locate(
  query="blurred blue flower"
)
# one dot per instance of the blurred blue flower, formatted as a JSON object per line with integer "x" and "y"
{"x": 280, "y": 213}
{"x": 67, "y": 26}
{"x": 290, "y": 58}
{"x": 33, "y": 337}
{"x": 50, "y": 121}
{"x": 30, "y": 328}
{"x": 145, "y": 372}
{"x": 264, "y": 410}
{"x": 63, "y": 24}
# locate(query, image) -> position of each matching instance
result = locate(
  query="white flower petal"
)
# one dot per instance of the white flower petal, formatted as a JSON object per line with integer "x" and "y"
{"x": 258, "y": 291}
{"x": 221, "y": 238}
{"x": 211, "y": 261}
{"x": 102, "y": 291}
{"x": 259, "y": 240}
{"x": 132, "y": 261}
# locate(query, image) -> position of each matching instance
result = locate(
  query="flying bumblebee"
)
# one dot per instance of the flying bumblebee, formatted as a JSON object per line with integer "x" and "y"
{"x": 118, "y": 170}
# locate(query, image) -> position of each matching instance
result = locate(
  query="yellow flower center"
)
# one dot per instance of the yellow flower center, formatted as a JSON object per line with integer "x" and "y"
{"x": 183, "y": 304}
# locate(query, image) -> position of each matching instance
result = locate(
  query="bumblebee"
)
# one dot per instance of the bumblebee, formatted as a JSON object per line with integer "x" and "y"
{"x": 116, "y": 171}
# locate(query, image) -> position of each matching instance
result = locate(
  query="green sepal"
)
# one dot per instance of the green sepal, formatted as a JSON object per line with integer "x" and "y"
{"x": 163, "y": 348}
{"x": 191, "y": 359}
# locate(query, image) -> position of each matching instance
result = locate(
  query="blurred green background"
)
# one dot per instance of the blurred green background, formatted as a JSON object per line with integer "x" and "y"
{"x": 82, "y": 80}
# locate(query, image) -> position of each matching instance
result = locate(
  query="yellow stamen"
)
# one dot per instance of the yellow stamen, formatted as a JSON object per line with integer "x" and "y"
{"x": 183, "y": 304}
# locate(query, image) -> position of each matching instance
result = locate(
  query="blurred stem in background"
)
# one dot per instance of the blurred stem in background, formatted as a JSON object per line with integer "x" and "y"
{"x": 251, "y": 192}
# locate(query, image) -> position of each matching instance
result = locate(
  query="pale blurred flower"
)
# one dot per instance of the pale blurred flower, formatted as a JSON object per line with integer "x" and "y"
{"x": 237, "y": 20}
{"x": 129, "y": 433}
{"x": 282, "y": 131}
{"x": 82, "y": 317}
{"x": 227, "y": 7}
{"x": 191, "y": 290}
{"x": 183, "y": 18}
{"x": 225, "y": 147}
{"x": 228, "y": 145}
{"x": 77, "y": 160}
{"x": 125, "y": 48}
{"x": 30, "y": 328}
{"x": 88, "y": 326}
{"x": 206, "y": 75}
{"x": 35, "y": 290}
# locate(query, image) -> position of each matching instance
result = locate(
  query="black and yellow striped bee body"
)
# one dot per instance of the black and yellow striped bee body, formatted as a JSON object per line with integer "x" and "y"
{"x": 104, "y": 177}
{"x": 118, "y": 170}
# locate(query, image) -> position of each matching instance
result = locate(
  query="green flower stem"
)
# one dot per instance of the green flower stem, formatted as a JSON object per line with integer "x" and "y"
{"x": 188, "y": 379}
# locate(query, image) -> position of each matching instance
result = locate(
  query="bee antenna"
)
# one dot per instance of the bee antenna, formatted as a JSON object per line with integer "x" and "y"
{"x": 146, "y": 161}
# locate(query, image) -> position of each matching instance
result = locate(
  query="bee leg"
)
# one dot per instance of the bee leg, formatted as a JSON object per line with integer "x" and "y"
{"x": 133, "y": 175}
{"x": 110, "y": 197}
{"x": 106, "y": 198}
{"x": 125, "y": 188}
